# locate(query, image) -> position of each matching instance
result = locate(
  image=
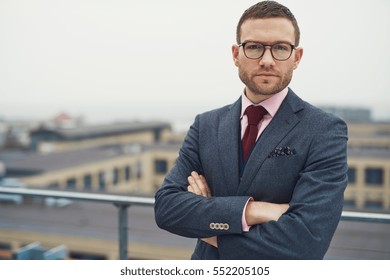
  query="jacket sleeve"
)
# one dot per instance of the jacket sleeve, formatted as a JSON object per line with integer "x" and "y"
{"x": 184, "y": 213}
{"x": 306, "y": 229}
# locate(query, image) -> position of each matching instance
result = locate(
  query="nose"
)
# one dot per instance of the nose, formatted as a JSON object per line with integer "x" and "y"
{"x": 267, "y": 60}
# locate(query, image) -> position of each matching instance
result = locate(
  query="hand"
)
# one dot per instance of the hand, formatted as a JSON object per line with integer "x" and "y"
{"x": 259, "y": 212}
{"x": 198, "y": 185}
{"x": 211, "y": 241}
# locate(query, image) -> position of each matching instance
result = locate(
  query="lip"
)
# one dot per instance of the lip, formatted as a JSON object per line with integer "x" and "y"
{"x": 266, "y": 75}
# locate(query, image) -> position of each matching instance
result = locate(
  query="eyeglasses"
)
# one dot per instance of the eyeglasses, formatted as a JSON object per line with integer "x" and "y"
{"x": 279, "y": 51}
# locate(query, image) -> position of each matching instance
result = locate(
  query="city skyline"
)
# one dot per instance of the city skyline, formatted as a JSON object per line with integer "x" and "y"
{"x": 127, "y": 60}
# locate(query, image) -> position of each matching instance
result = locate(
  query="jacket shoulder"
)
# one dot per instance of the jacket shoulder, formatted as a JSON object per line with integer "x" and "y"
{"x": 313, "y": 116}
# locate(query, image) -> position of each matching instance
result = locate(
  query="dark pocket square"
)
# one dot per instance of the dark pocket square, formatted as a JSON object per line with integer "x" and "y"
{"x": 282, "y": 151}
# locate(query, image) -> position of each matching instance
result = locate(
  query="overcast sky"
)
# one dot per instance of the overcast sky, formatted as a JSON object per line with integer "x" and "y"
{"x": 110, "y": 60}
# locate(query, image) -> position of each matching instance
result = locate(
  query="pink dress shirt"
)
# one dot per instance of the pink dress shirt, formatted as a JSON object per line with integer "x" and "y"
{"x": 272, "y": 105}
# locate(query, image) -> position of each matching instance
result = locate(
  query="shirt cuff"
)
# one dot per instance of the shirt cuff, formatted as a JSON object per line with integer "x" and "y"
{"x": 245, "y": 227}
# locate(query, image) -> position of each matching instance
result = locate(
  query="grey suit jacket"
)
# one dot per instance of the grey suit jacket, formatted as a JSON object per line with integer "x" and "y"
{"x": 299, "y": 159}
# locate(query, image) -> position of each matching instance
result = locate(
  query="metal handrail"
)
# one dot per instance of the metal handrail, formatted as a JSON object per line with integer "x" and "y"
{"x": 365, "y": 217}
{"x": 119, "y": 201}
{"x": 123, "y": 202}
{"x": 92, "y": 197}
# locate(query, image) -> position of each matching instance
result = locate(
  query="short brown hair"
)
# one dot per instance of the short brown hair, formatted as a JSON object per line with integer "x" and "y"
{"x": 268, "y": 9}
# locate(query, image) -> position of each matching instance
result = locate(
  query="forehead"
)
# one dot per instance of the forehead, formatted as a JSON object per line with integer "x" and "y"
{"x": 268, "y": 30}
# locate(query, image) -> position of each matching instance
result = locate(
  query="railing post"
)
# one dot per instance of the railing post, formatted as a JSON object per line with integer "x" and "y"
{"x": 122, "y": 214}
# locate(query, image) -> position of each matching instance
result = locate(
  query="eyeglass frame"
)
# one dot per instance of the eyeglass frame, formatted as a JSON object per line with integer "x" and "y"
{"x": 293, "y": 47}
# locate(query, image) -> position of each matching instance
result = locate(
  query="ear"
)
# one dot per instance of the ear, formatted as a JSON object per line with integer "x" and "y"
{"x": 297, "y": 57}
{"x": 235, "y": 52}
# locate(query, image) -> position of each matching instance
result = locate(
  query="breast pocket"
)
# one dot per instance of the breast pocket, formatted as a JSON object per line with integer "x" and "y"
{"x": 276, "y": 179}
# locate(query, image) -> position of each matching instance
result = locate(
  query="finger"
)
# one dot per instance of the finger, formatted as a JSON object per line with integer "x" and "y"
{"x": 211, "y": 241}
{"x": 194, "y": 174}
{"x": 203, "y": 188}
{"x": 195, "y": 181}
{"x": 194, "y": 186}
{"x": 202, "y": 183}
{"x": 203, "y": 179}
{"x": 193, "y": 190}
{"x": 206, "y": 185}
{"x": 192, "y": 182}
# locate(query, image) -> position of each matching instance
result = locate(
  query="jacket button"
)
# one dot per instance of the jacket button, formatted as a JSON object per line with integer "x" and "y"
{"x": 212, "y": 226}
{"x": 225, "y": 226}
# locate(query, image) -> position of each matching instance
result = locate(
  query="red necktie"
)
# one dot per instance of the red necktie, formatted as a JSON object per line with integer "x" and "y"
{"x": 254, "y": 114}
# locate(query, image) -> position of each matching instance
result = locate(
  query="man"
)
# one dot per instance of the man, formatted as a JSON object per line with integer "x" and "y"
{"x": 281, "y": 198}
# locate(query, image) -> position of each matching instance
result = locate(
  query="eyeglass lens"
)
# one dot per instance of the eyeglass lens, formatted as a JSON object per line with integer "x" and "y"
{"x": 279, "y": 51}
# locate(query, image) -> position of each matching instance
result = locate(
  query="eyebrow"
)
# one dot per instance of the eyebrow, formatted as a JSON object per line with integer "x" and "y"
{"x": 267, "y": 43}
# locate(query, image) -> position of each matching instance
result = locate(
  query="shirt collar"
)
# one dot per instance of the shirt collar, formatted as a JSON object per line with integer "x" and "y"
{"x": 271, "y": 104}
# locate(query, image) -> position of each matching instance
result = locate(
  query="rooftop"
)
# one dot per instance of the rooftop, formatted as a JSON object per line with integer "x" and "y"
{"x": 94, "y": 131}
{"x": 34, "y": 163}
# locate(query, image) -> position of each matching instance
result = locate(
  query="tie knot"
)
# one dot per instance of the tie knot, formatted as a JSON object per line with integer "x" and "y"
{"x": 255, "y": 114}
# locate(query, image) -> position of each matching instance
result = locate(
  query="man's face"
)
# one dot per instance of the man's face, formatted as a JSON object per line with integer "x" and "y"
{"x": 266, "y": 76}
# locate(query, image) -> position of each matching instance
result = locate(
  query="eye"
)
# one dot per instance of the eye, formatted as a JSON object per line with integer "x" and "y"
{"x": 281, "y": 47}
{"x": 254, "y": 46}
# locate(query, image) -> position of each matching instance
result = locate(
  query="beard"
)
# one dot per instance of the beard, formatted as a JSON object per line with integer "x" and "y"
{"x": 265, "y": 87}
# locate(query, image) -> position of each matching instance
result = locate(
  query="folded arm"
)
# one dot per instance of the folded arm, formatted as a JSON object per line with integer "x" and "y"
{"x": 256, "y": 212}
{"x": 304, "y": 231}
{"x": 182, "y": 212}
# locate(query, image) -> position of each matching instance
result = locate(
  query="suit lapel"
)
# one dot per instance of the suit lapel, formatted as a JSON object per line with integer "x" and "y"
{"x": 282, "y": 123}
{"x": 228, "y": 143}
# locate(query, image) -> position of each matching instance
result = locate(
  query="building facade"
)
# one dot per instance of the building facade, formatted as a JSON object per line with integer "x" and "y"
{"x": 126, "y": 158}
{"x": 369, "y": 167}
{"x": 134, "y": 159}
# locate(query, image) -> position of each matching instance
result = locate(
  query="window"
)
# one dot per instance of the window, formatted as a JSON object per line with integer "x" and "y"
{"x": 349, "y": 203}
{"x": 139, "y": 170}
{"x": 88, "y": 182}
{"x": 5, "y": 251}
{"x": 374, "y": 205}
{"x": 115, "y": 177}
{"x": 127, "y": 173}
{"x": 53, "y": 185}
{"x": 374, "y": 176}
{"x": 5, "y": 246}
{"x": 71, "y": 184}
{"x": 157, "y": 134}
{"x": 351, "y": 175}
{"x": 160, "y": 166}
{"x": 102, "y": 181}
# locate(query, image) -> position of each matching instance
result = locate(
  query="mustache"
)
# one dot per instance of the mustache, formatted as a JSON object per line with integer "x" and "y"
{"x": 266, "y": 73}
